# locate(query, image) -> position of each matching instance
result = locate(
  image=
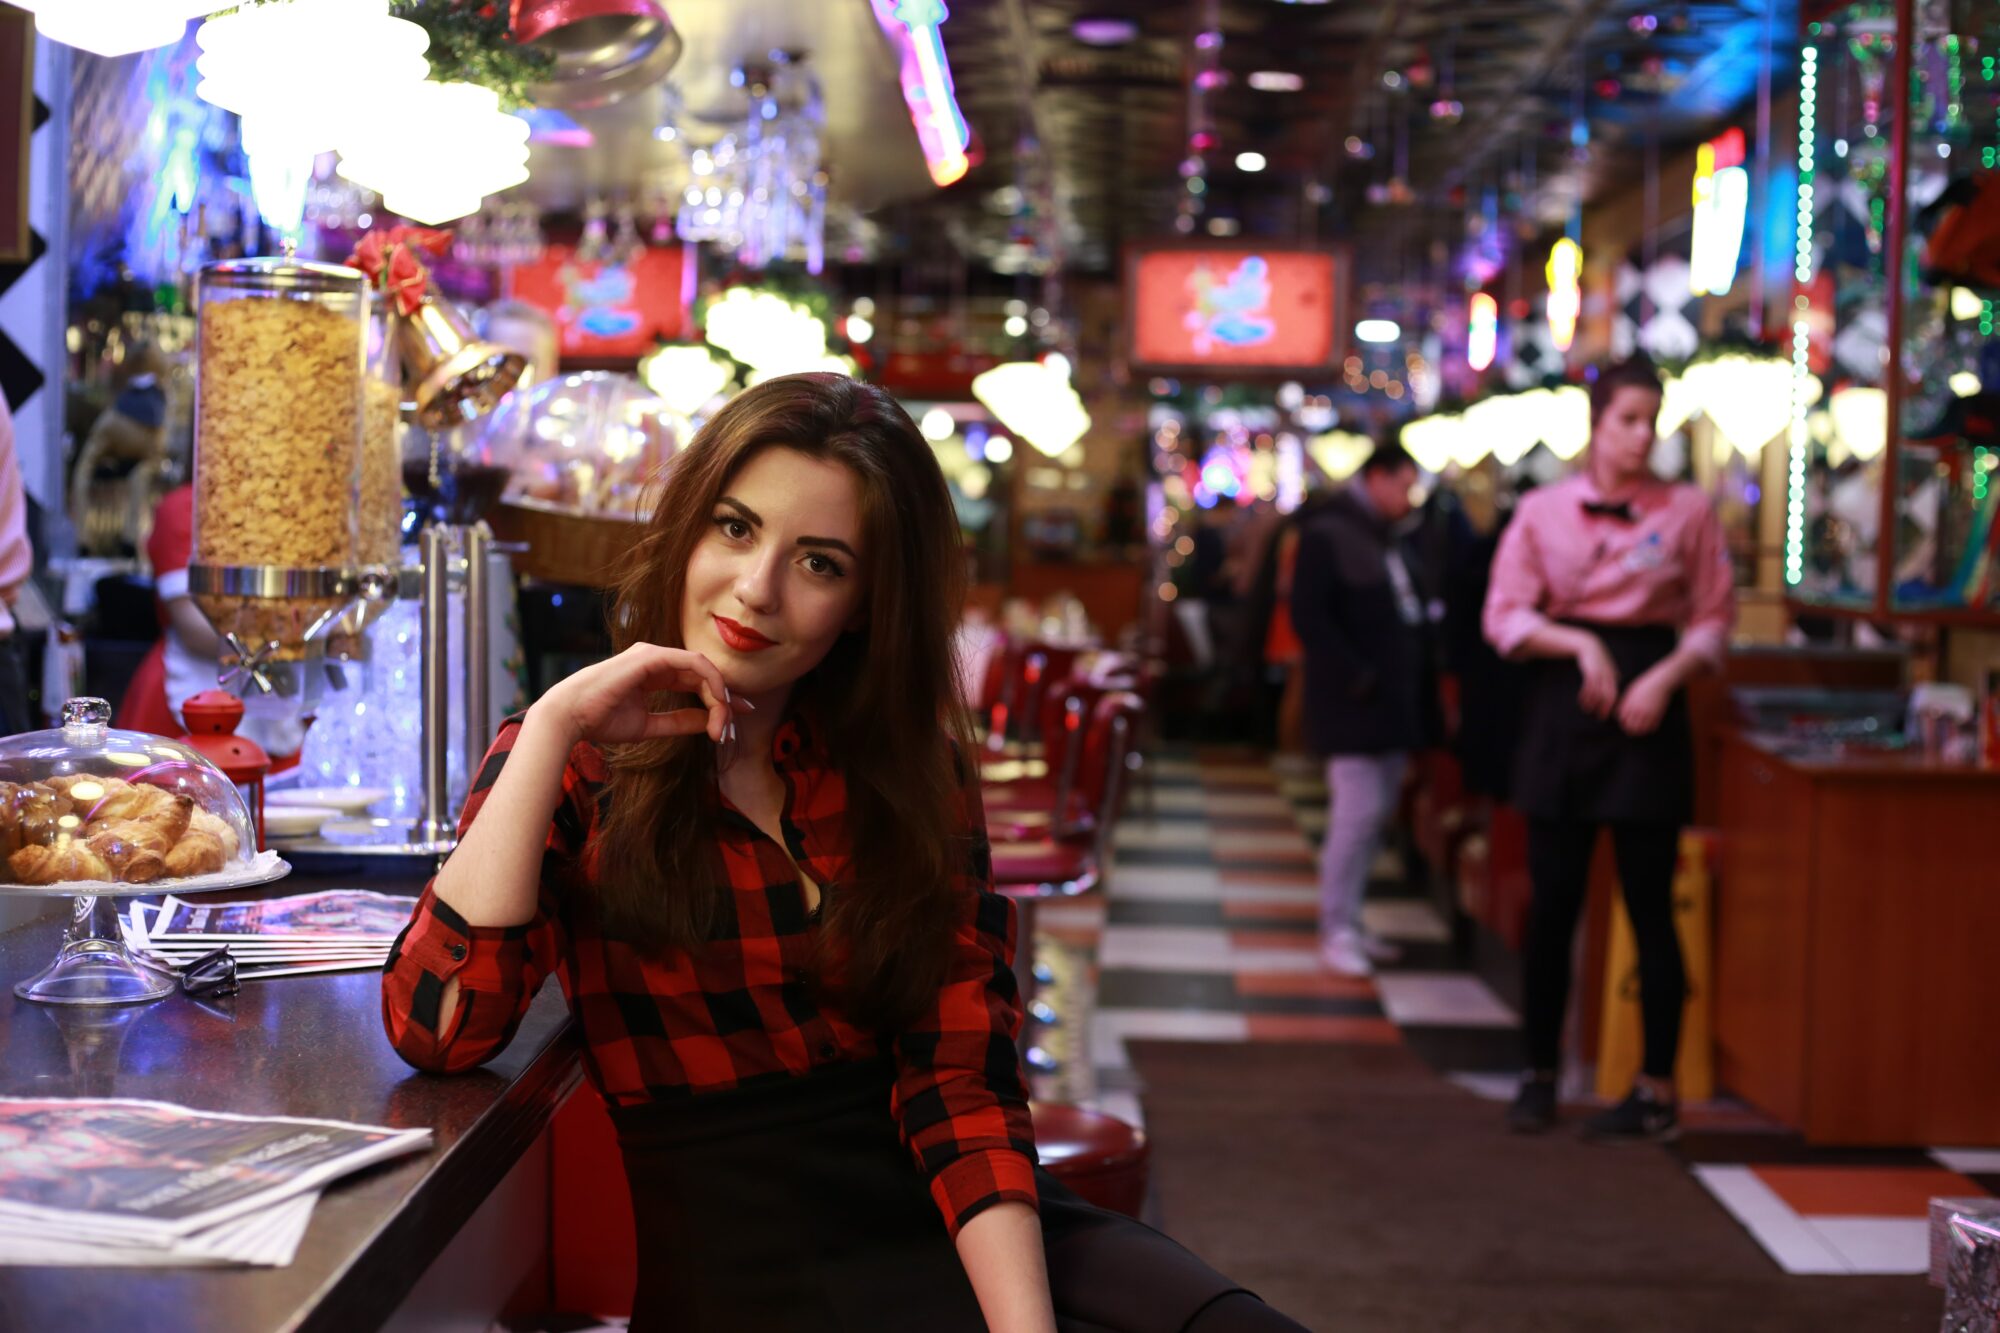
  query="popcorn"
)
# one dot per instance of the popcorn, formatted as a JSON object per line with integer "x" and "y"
{"x": 379, "y": 540}
{"x": 279, "y": 430}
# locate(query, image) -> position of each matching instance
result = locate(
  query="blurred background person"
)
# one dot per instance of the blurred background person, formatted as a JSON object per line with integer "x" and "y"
{"x": 1369, "y": 689}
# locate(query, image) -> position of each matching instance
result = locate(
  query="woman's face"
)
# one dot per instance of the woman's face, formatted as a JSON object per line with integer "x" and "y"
{"x": 1621, "y": 441}
{"x": 780, "y": 574}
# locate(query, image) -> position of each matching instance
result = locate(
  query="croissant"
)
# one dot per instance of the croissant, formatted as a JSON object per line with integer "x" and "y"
{"x": 201, "y": 821}
{"x": 197, "y": 853}
{"x": 87, "y": 789}
{"x": 10, "y": 818}
{"x": 135, "y": 852}
{"x": 66, "y": 860}
{"x": 143, "y": 804}
{"x": 42, "y": 810}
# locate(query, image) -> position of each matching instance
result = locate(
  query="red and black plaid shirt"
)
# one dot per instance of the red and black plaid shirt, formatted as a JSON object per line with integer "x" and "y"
{"x": 739, "y": 1013}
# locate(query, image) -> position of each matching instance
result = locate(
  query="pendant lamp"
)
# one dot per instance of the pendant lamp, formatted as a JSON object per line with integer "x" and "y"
{"x": 434, "y": 151}
{"x": 116, "y": 27}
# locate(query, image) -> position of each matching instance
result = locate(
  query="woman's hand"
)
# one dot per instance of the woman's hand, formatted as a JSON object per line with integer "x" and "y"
{"x": 1640, "y": 711}
{"x": 1599, "y": 694}
{"x": 606, "y": 703}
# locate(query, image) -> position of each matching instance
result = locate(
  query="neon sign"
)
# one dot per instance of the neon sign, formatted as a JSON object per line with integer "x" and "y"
{"x": 1721, "y": 202}
{"x": 1565, "y": 272}
{"x": 1482, "y": 339}
{"x": 927, "y": 85}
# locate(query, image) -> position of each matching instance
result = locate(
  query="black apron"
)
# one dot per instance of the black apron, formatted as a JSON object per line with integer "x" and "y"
{"x": 1571, "y": 765}
{"x": 793, "y": 1207}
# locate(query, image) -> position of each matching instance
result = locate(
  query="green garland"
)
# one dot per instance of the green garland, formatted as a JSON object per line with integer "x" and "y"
{"x": 471, "y": 43}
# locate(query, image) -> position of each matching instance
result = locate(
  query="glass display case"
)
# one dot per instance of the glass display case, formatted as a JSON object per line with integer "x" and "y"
{"x": 95, "y": 814}
{"x": 1892, "y": 508}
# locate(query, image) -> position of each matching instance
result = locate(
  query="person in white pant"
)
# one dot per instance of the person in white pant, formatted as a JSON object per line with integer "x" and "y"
{"x": 1369, "y": 688}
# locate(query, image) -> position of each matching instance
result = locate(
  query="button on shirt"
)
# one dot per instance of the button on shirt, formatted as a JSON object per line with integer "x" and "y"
{"x": 739, "y": 1013}
{"x": 1668, "y": 565}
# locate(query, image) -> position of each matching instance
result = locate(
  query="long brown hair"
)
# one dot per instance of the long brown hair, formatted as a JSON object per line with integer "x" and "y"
{"x": 883, "y": 702}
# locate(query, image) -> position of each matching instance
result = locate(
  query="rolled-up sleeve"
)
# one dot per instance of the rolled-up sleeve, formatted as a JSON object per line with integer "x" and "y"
{"x": 1711, "y": 589}
{"x": 961, "y": 1102}
{"x": 499, "y": 969}
{"x": 1518, "y": 587}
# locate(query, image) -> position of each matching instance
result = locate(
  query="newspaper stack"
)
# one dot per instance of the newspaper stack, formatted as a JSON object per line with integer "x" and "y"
{"x": 116, "y": 1182}
{"x": 335, "y": 931}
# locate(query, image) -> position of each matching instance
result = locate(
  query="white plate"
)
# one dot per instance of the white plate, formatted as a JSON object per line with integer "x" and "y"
{"x": 264, "y": 868}
{"x": 346, "y": 800}
{"x": 296, "y": 821}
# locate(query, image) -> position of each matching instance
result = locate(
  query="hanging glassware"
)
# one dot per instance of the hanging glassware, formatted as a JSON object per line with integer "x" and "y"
{"x": 761, "y": 190}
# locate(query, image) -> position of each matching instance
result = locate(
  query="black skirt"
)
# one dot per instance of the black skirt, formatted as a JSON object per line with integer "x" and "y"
{"x": 1571, "y": 765}
{"x": 794, "y": 1208}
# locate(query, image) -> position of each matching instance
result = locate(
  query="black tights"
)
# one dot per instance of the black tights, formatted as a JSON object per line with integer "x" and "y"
{"x": 1559, "y": 852}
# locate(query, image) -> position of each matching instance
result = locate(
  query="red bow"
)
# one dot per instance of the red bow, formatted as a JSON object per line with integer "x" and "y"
{"x": 406, "y": 280}
{"x": 433, "y": 241}
{"x": 368, "y": 257}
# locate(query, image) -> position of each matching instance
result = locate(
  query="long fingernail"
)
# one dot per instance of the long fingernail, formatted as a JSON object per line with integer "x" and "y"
{"x": 732, "y": 733}
{"x": 747, "y": 706}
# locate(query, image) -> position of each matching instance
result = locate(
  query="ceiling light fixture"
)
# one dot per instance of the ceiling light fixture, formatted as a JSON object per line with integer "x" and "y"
{"x": 1251, "y": 161}
{"x": 1036, "y": 402}
{"x": 489, "y": 151}
{"x": 1276, "y": 81}
{"x": 116, "y": 27}
{"x": 1103, "y": 30}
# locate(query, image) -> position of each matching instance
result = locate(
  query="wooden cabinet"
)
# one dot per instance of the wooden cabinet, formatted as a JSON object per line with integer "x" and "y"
{"x": 1857, "y": 913}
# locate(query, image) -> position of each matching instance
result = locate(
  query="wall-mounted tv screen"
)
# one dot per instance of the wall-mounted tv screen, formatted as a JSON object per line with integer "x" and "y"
{"x": 609, "y": 312}
{"x": 1235, "y": 307}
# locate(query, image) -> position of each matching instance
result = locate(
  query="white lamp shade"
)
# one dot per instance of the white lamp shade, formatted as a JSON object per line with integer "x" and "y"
{"x": 1747, "y": 399}
{"x": 434, "y": 151}
{"x": 1036, "y": 402}
{"x": 1861, "y": 417}
{"x": 116, "y": 27}
{"x": 1340, "y": 453}
{"x": 308, "y": 68}
{"x": 766, "y": 332}
{"x": 1676, "y": 406}
{"x": 1567, "y": 432}
{"x": 685, "y": 377}
{"x": 1432, "y": 441}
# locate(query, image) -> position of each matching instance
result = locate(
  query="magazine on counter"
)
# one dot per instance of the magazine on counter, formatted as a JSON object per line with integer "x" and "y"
{"x": 268, "y": 1237}
{"x": 256, "y": 958}
{"x": 150, "y": 1175}
{"x": 343, "y": 916}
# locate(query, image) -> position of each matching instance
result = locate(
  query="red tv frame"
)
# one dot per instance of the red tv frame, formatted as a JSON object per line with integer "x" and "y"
{"x": 1236, "y": 308}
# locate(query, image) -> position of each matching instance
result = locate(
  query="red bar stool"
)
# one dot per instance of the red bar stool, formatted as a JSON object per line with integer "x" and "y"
{"x": 1099, "y": 1156}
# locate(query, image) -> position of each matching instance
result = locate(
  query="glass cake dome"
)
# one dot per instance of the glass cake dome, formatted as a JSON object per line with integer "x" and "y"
{"x": 95, "y": 813}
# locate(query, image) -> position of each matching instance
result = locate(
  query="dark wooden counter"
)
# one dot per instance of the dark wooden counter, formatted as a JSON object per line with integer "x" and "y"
{"x": 1856, "y": 906}
{"x": 306, "y": 1046}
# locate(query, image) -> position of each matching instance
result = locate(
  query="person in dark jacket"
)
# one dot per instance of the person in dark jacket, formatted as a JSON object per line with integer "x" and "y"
{"x": 1359, "y": 613}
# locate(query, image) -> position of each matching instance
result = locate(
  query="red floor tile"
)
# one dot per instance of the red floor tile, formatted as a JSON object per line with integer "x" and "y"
{"x": 1324, "y": 1027}
{"x": 1269, "y": 877}
{"x": 1273, "y": 939}
{"x": 1304, "y": 910}
{"x": 1863, "y": 1191}
{"x": 1314, "y": 985}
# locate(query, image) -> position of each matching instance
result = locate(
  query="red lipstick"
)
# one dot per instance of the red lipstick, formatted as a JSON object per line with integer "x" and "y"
{"x": 741, "y": 638}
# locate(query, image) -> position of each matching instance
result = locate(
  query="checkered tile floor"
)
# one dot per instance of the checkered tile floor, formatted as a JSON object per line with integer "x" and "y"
{"x": 1208, "y": 932}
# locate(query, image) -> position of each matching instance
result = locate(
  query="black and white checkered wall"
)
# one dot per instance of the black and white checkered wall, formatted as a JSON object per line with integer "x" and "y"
{"x": 32, "y": 295}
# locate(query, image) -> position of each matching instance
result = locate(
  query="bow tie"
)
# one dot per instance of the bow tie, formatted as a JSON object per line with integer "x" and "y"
{"x": 1622, "y": 511}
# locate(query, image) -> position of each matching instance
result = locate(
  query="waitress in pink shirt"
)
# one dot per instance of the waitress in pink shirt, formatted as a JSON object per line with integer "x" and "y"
{"x": 1617, "y": 587}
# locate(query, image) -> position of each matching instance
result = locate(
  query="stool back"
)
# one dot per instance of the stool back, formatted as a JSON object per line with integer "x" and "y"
{"x": 1107, "y": 751}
